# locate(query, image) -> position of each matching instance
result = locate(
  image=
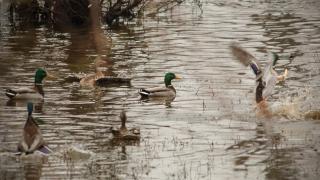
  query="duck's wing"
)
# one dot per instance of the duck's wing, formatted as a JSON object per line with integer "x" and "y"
{"x": 156, "y": 89}
{"x": 270, "y": 83}
{"x": 20, "y": 91}
{"x": 110, "y": 80}
{"x": 270, "y": 77}
{"x": 45, "y": 150}
{"x": 156, "y": 92}
{"x": 245, "y": 58}
{"x": 24, "y": 90}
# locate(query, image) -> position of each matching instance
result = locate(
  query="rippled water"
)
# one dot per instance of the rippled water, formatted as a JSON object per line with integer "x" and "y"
{"x": 211, "y": 129}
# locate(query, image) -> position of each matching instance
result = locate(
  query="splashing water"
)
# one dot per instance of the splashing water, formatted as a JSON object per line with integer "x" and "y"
{"x": 75, "y": 152}
{"x": 293, "y": 107}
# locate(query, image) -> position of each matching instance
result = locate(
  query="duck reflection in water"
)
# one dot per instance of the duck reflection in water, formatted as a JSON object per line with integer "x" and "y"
{"x": 32, "y": 165}
{"x": 38, "y": 105}
{"x": 266, "y": 79}
{"x": 159, "y": 101}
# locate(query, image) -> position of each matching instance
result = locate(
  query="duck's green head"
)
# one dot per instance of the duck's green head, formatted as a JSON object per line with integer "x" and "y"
{"x": 40, "y": 75}
{"x": 275, "y": 58}
{"x": 169, "y": 77}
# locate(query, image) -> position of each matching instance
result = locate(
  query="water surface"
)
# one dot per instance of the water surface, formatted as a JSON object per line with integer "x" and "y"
{"x": 211, "y": 129}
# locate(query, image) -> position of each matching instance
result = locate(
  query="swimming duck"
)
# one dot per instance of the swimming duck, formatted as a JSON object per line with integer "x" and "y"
{"x": 32, "y": 137}
{"x": 99, "y": 78}
{"x": 167, "y": 91}
{"x": 36, "y": 92}
{"x": 90, "y": 79}
{"x": 266, "y": 79}
{"x": 123, "y": 132}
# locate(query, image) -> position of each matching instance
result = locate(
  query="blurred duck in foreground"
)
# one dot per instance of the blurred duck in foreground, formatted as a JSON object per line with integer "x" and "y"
{"x": 35, "y": 92}
{"x": 266, "y": 79}
{"x": 167, "y": 91}
{"x": 32, "y": 139}
{"x": 124, "y": 133}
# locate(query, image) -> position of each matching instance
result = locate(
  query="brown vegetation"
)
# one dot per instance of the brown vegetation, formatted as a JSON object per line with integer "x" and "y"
{"x": 77, "y": 12}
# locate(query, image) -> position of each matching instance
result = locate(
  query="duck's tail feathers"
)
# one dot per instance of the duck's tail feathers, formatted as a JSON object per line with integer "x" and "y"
{"x": 45, "y": 150}
{"x": 144, "y": 92}
{"x": 10, "y": 93}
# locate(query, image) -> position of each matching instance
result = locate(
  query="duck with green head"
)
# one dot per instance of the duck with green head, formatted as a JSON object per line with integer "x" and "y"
{"x": 32, "y": 139}
{"x": 167, "y": 91}
{"x": 266, "y": 79}
{"x": 36, "y": 92}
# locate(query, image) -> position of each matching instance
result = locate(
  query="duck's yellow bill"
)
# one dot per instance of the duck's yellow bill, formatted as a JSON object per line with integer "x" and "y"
{"x": 178, "y": 77}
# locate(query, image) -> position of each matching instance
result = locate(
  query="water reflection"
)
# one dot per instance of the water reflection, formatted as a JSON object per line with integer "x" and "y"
{"x": 32, "y": 165}
{"x": 78, "y": 51}
{"x": 158, "y": 101}
{"x": 38, "y": 105}
{"x": 210, "y": 129}
{"x": 281, "y": 31}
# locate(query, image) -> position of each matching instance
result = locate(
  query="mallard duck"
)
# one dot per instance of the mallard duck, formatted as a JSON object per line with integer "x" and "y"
{"x": 92, "y": 80}
{"x": 32, "y": 139}
{"x": 266, "y": 79}
{"x": 36, "y": 92}
{"x": 123, "y": 132}
{"x": 99, "y": 78}
{"x": 167, "y": 91}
